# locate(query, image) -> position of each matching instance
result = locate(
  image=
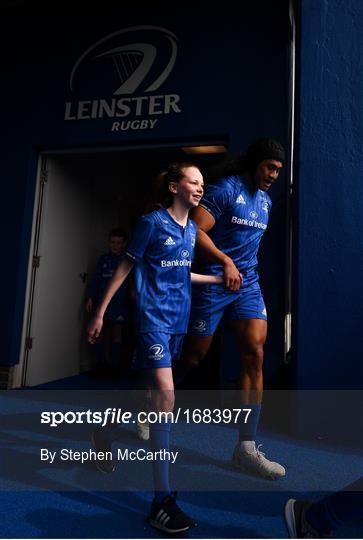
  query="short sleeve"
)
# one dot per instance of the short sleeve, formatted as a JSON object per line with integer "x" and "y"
{"x": 140, "y": 239}
{"x": 217, "y": 198}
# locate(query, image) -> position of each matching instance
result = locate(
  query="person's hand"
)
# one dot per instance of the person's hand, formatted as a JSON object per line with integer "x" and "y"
{"x": 94, "y": 329}
{"x": 232, "y": 277}
{"x": 89, "y": 305}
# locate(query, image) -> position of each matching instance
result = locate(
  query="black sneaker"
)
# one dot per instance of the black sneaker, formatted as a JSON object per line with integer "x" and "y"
{"x": 297, "y": 525}
{"x": 168, "y": 517}
{"x": 101, "y": 444}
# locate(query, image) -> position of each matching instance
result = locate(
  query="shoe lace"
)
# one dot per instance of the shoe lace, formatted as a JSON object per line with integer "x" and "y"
{"x": 172, "y": 496}
{"x": 260, "y": 454}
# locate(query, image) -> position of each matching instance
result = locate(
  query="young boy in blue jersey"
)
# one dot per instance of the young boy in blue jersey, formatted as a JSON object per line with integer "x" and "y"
{"x": 118, "y": 311}
{"x": 162, "y": 251}
{"x": 231, "y": 219}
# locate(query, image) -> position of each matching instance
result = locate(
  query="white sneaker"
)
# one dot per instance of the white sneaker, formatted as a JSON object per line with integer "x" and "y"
{"x": 143, "y": 430}
{"x": 256, "y": 463}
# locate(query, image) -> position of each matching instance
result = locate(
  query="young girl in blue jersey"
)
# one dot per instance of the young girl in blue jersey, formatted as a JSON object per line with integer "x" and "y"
{"x": 162, "y": 251}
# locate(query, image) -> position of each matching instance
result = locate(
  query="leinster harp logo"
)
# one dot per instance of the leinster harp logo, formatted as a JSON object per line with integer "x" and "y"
{"x": 117, "y": 77}
{"x": 131, "y": 61}
{"x": 156, "y": 352}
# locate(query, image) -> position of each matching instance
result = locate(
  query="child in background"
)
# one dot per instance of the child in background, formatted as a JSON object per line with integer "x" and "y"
{"x": 117, "y": 315}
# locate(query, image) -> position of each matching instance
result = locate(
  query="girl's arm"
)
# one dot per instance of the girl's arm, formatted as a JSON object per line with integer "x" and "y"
{"x": 205, "y": 244}
{"x": 201, "y": 278}
{"x": 121, "y": 273}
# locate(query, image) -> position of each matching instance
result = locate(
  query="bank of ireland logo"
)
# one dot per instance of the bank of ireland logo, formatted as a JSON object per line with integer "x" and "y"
{"x": 200, "y": 325}
{"x": 265, "y": 206}
{"x": 129, "y": 59}
{"x": 156, "y": 352}
{"x": 253, "y": 214}
{"x": 185, "y": 253}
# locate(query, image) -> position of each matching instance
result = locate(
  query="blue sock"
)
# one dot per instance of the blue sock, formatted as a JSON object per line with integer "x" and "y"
{"x": 247, "y": 431}
{"x": 159, "y": 440}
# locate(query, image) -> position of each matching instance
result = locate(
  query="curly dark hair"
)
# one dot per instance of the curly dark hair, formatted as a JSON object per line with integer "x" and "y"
{"x": 241, "y": 163}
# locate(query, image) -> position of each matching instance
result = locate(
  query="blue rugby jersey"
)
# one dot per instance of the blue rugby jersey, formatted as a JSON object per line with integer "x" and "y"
{"x": 163, "y": 252}
{"x": 241, "y": 219}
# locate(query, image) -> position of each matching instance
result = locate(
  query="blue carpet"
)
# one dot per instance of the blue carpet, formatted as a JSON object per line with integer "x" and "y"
{"x": 76, "y": 501}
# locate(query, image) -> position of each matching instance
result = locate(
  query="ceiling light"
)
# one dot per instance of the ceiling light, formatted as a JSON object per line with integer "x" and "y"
{"x": 218, "y": 149}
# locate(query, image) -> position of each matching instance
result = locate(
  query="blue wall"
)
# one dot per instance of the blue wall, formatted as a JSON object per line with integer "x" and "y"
{"x": 328, "y": 258}
{"x": 231, "y": 75}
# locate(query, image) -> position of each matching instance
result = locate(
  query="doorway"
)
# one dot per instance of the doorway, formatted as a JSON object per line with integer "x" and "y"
{"x": 81, "y": 197}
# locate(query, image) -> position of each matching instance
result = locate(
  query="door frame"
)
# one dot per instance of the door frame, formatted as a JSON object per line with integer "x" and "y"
{"x": 20, "y": 369}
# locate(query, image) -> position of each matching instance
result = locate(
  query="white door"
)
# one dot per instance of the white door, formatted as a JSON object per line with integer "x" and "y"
{"x": 57, "y": 312}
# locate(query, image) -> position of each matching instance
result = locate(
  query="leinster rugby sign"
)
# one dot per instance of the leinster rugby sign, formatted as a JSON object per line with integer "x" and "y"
{"x": 118, "y": 76}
